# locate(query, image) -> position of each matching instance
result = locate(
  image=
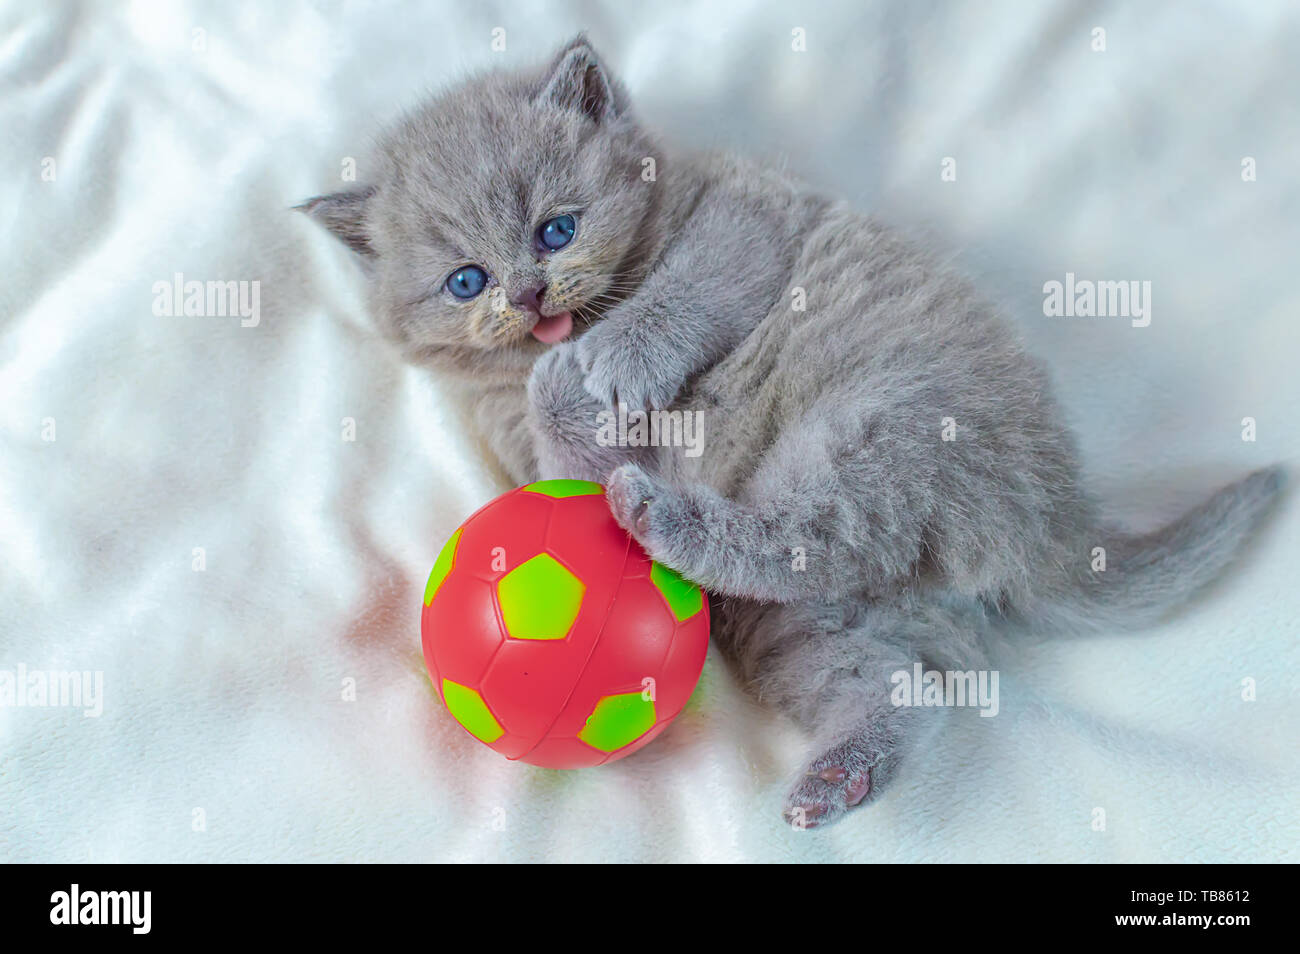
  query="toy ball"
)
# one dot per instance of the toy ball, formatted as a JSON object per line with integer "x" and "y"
{"x": 552, "y": 637}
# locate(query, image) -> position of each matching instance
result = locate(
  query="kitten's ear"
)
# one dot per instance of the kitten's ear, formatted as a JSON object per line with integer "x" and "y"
{"x": 344, "y": 214}
{"x": 578, "y": 80}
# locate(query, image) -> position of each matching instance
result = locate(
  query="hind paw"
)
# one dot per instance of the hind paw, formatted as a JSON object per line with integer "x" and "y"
{"x": 840, "y": 779}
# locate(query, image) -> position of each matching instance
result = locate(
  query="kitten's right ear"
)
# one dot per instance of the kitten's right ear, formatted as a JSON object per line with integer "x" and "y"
{"x": 344, "y": 214}
{"x": 577, "y": 80}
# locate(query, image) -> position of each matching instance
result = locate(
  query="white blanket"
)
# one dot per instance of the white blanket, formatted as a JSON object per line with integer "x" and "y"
{"x": 181, "y": 512}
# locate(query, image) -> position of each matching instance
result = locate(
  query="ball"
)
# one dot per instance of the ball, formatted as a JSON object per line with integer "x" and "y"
{"x": 552, "y": 637}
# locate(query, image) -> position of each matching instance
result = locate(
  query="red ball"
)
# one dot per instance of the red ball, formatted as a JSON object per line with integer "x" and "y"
{"x": 550, "y": 634}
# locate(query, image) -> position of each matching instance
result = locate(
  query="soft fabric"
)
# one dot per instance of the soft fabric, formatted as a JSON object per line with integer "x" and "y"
{"x": 232, "y": 521}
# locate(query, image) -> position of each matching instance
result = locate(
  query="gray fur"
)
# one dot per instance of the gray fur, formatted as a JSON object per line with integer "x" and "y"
{"x": 825, "y": 424}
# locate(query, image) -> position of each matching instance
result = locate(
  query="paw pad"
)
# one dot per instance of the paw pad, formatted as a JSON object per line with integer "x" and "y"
{"x": 859, "y": 789}
{"x": 834, "y": 773}
{"x": 834, "y": 784}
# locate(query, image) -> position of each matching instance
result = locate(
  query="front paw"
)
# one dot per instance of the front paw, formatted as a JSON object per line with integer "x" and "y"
{"x": 631, "y": 493}
{"x": 621, "y": 367}
{"x": 663, "y": 518}
{"x": 554, "y": 378}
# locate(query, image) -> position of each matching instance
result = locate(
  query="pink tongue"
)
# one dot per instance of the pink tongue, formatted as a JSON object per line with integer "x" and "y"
{"x": 552, "y": 328}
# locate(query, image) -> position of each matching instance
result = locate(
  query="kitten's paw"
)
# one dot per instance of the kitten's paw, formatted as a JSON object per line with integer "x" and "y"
{"x": 632, "y": 495}
{"x": 838, "y": 780}
{"x": 619, "y": 367}
{"x": 555, "y": 382}
{"x": 665, "y": 519}
{"x": 564, "y": 420}
{"x": 560, "y": 407}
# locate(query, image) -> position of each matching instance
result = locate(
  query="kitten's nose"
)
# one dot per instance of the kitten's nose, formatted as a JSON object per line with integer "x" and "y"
{"x": 530, "y": 298}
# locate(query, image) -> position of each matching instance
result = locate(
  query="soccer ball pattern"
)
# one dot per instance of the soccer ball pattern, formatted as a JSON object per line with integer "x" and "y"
{"x": 550, "y": 634}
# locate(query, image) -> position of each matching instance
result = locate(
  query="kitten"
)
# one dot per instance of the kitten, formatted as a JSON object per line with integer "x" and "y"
{"x": 519, "y": 239}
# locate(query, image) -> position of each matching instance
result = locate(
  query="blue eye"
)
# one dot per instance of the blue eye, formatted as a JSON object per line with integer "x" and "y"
{"x": 466, "y": 282}
{"x": 557, "y": 232}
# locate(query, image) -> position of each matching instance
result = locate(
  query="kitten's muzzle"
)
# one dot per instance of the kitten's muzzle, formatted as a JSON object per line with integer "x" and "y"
{"x": 547, "y": 329}
{"x": 530, "y": 299}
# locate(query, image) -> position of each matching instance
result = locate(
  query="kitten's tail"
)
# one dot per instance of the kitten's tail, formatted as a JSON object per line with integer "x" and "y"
{"x": 1147, "y": 576}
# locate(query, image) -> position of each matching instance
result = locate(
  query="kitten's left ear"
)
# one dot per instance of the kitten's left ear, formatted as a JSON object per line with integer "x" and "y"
{"x": 578, "y": 80}
{"x": 344, "y": 214}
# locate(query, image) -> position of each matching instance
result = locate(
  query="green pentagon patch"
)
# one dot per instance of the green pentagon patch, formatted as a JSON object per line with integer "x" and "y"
{"x": 683, "y": 597}
{"x": 441, "y": 567}
{"x": 565, "y": 488}
{"x": 618, "y": 721}
{"x": 539, "y": 599}
{"x": 471, "y": 711}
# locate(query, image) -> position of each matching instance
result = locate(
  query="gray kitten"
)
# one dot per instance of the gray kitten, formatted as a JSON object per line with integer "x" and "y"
{"x": 521, "y": 241}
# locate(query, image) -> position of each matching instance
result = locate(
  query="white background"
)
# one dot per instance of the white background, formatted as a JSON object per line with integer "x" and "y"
{"x": 223, "y": 687}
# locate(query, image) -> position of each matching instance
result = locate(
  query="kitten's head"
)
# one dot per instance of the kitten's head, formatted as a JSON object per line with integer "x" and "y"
{"x": 503, "y": 212}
